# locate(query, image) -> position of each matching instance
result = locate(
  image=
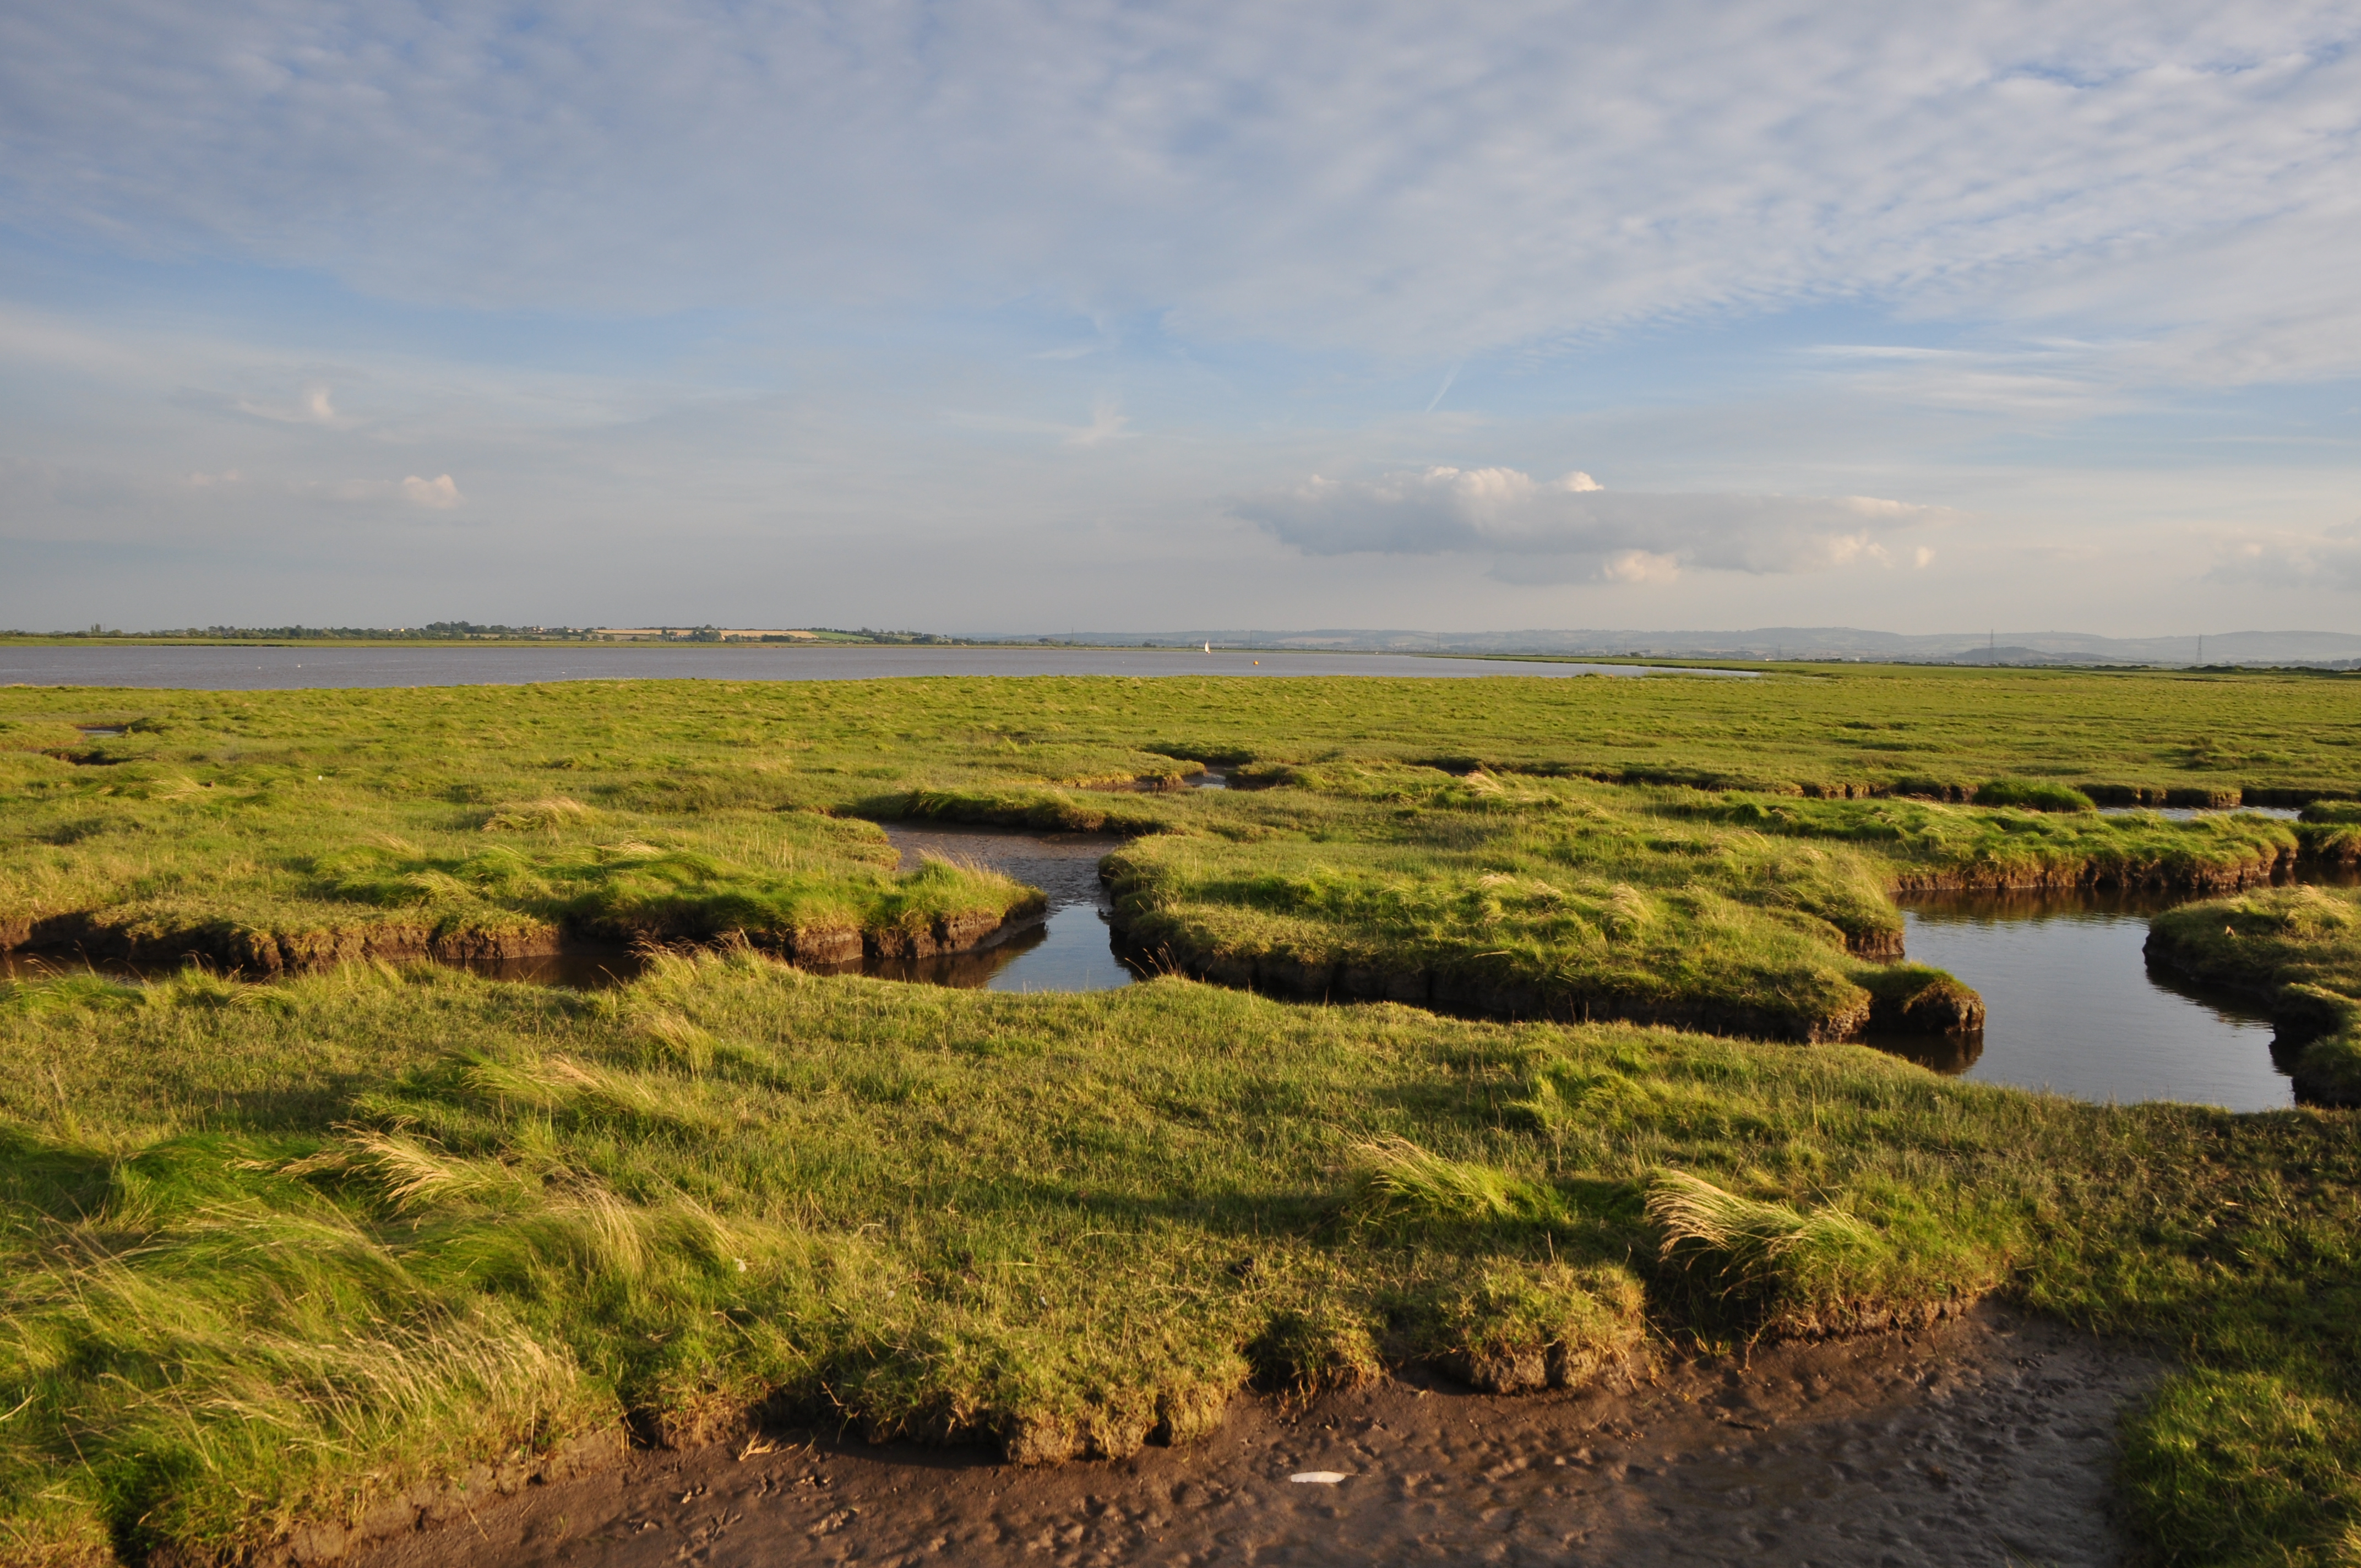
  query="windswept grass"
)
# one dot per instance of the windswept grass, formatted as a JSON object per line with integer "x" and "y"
{"x": 2034, "y": 794}
{"x": 323, "y": 1241}
{"x": 303, "y": 1251}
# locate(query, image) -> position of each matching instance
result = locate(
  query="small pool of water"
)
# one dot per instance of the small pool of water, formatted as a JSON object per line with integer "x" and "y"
{"x": 2071, "y": 1005}
{"x": 1071, "y": 950}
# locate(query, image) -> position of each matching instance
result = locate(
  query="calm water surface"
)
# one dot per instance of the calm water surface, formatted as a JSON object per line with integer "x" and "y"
{"x": 1072, "y": 950}
{"x": 2070, "y": 1004}
{"x": 260, "y": 669}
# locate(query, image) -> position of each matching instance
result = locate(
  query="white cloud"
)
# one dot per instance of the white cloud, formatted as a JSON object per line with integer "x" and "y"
{"x": 440, "y": 494}
{"x": 1639, "y": 566}
{"x": 1572, "y": 529}
{"x": 315, "y": 406}
{"x": 2330, "y": 559}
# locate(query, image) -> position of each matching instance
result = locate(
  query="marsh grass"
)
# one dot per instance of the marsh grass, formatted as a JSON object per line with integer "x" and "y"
{"x": 1750, "y": 914}
{"x": 271, "y": 1253}
{"x": 2033, "y": 794}
{"x": 299, "y": 828}
{"x": 1060, "y": 1224}
{"x": 1803, "y": 1267}
{"x": 2299, "y": 948}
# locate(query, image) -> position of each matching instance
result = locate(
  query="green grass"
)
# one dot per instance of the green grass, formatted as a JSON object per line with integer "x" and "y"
{"x": 272, "y": 1253}
{"x": 211, "y": 822}
{"x": 2124, "y": 738}
{"x": 263, "y": 867}
{"x": 278, "y": 1252}
{"x": 2299, "y": 948}
{"x": 292, "y": 831}
{"x": 1755, "y": 915}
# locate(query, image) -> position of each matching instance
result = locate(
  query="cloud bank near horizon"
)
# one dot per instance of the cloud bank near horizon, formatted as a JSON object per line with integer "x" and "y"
{"x": 1573, "y": 529}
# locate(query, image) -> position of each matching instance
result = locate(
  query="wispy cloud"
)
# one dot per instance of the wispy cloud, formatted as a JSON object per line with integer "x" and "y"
{"x": 1272, "y": 172}
{"x": 313, "y": 405}
{"x": 1448, "y": 376}
{"x": 1107, "y": 424}
{"x": 1572, "y": 529}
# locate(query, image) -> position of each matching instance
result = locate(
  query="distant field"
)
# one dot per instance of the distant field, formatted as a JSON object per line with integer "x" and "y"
{"x": 271, "y": 1255}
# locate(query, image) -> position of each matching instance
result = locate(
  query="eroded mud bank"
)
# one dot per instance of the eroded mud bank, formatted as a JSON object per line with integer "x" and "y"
{"x": 1984, "y": 1439}
{"x": 1901, "y": 1002}
{"x": 236, "y": 949}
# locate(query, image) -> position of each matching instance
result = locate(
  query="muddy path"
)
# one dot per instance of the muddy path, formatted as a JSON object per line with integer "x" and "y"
{"x": 1990, "y": 1439}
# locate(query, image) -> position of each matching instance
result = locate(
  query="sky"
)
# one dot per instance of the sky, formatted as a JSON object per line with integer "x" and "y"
{"x": 1011, "y": 316}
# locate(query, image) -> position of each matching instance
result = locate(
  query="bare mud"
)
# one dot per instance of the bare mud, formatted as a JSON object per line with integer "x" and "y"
{"x": 1989, "y": 1438}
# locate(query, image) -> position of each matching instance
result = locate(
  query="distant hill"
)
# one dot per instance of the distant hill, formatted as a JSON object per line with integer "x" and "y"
{"x": 2340, "y": 650}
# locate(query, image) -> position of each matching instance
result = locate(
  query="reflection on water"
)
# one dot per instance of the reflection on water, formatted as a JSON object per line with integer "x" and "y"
{"x": 2070, "y": 1003}
{"x": 1072, "y": 950}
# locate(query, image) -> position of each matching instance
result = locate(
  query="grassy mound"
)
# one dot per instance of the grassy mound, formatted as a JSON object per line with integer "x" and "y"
{"x": 324, "y": 1241}
{"x": 1559, "y": 898}
{"x": 2300, "y": 950}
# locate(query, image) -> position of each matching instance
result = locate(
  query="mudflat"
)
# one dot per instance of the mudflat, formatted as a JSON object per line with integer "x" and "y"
{"x": 1987, "y": 1439}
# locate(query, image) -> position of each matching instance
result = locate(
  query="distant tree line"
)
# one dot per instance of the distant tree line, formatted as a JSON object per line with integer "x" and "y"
{"x": 434, "y": 631}
{"x": 452, "y": 630}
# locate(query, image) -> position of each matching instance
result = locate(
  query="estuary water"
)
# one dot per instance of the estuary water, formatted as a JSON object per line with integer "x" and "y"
{"x": 283, "y": 668}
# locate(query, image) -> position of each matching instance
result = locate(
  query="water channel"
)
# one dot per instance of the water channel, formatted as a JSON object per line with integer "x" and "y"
{"x": 2070, "y": 1003}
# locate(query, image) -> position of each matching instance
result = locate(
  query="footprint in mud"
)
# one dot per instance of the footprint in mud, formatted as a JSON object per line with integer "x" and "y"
{"x": 1987, "y": 1440}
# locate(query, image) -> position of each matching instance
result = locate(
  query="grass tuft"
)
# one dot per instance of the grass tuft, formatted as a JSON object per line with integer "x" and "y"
{"x": 1395, "y": 1179}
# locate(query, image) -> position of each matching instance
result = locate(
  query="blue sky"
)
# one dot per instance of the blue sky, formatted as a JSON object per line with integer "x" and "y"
{"x": 1037, "y": 316}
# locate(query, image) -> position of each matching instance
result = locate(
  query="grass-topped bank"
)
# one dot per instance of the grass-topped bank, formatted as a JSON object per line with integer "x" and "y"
{"x": 262, "y": 869}
{"x": 1521, "y": 896}
{"x": 280, "y": 1254}
{"x": 2299, "y": 948}
{"x": 285, "y": 831}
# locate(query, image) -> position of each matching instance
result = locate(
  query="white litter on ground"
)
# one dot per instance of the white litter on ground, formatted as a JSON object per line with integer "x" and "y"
{"x": 1318, "y": 1477}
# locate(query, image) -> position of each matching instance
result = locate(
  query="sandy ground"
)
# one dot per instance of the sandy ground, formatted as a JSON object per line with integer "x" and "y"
{"x": 1986, "y": 1441}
